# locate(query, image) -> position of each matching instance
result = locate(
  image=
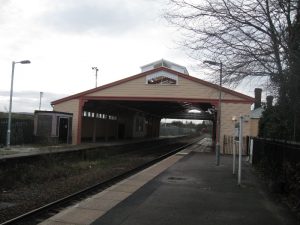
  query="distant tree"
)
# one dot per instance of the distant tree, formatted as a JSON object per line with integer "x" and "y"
{"x": 177, "y": 123}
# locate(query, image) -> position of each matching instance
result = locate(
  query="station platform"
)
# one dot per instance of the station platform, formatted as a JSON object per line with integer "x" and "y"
{"x": 187, "y": 188}
{"x": 32, "y": 150}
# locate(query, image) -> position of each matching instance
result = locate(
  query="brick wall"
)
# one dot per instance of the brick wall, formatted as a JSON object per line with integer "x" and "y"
{"x": 227, "y": 125}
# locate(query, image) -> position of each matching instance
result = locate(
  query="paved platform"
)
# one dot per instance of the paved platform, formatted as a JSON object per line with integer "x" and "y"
{"x": 31, "y": 150}
{"x": 195, "y": 191}
{"x": 185, "y": 189}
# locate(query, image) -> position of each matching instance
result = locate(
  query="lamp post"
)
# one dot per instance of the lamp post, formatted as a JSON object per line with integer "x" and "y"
{"x": 41, "y": 95}
{"x": 219, "y": 110}
{"x": 96, "y": 68}
{"x": 234, "y": 135}
{"x": 10, "y": 101}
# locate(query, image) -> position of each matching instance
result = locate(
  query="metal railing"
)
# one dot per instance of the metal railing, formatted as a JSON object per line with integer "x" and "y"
{"x": 279, "y": 161}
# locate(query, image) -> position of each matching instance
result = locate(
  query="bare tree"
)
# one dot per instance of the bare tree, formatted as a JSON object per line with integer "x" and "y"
{"x": 251, "y": 37}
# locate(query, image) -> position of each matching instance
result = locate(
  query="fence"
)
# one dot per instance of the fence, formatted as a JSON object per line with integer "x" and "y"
{"x": 275, "y": 152}
{"x": 279, "y": 162}
{"x": 21, "y": 131}
{"x": 228, "y": 145}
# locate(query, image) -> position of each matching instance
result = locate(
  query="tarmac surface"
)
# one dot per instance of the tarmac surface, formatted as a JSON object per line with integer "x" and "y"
{"x": 184, "y": 189}
{"x": 196, "y": 191}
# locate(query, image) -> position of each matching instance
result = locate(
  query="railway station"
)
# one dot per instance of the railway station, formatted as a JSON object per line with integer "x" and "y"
{"x": 129, "y": 174}
{"x": 134, "y": 106}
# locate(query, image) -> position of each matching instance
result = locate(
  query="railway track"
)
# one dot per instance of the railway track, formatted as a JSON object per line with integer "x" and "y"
{"x": 39, "y": 214}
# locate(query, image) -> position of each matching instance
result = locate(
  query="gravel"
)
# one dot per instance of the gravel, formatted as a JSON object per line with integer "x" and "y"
{"x": 23, "y": 197}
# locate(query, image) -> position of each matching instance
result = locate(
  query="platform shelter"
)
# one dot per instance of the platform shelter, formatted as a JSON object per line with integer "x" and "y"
{"x": 133, "y": 107}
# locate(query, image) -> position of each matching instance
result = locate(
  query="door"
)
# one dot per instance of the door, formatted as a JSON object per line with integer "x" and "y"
{"x": 63, "y": 130}
{"x": 121, "y": 131}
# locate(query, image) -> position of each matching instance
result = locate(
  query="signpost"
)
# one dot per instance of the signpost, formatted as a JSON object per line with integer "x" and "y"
{"x": 238, "y": 137}
{"x": 240, "y": 149}
{"x": 234, "y": 140}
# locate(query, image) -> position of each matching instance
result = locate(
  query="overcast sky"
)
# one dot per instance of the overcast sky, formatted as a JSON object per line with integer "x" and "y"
{"x": 65, "y": 38}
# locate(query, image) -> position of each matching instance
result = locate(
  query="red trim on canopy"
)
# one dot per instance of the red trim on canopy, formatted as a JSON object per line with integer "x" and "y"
{"x": 247, "y": 99}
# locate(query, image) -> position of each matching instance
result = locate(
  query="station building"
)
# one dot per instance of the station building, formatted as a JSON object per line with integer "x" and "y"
{"x": 134, "y": 106}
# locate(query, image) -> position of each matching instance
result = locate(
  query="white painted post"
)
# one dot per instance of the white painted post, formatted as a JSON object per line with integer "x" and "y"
{"x": 234, "y": 153}
{"x": 233, "y": 145}
{"x": 251, "y": 150}
{"x": 94, "y": 128}
{"x": 240, "y": 150}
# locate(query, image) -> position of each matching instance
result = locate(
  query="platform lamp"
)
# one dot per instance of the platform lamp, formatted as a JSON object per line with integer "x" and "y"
{"x": 96, "y": 69}
{"x": 214, "y": 63}
{"x": 10, "y": 100}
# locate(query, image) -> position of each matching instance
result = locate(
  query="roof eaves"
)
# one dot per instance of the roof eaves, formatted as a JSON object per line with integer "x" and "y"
{"x": 81, "y": 94}
{"x": 238, "y": 94}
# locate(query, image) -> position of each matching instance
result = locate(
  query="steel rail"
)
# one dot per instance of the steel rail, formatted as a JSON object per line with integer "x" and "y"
{"x": 76, "y": 196}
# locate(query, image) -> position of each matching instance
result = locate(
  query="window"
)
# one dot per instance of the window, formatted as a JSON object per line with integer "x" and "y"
{"x": 44, "y": 125}
{"x": 162, "y": 79}
{"x": 139, "y": 124}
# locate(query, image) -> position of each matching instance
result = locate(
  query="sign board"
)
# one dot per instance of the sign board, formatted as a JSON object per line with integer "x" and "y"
{"x": 236, "y": 131}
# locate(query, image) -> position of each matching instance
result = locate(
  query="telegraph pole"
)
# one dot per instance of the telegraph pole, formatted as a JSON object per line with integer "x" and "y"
{"x": 41, "y": 95}
{"x": 96, "y": 69}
